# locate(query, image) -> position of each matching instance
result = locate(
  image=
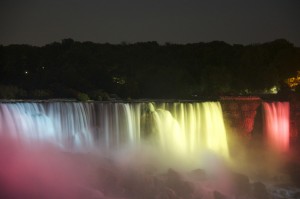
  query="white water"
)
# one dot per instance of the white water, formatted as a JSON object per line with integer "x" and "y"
{"x": 189, "y": 128}
{"x": 174, "y": 127}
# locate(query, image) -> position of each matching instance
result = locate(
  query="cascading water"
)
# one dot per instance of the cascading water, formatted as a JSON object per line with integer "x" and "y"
{"x": 276, "y": 124}
{"x": 72, "y": 122}
{"x": 64, "y": 124}
{"x": 182, "y": 128}
{"x": 117, "y": 124}
{"x": 25, "y": 120}
{"x": 188, "y": 128}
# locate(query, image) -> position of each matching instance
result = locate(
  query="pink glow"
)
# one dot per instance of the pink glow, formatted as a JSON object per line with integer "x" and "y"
{"x": 41, "y": 171}
{"x": 277, "y": 129}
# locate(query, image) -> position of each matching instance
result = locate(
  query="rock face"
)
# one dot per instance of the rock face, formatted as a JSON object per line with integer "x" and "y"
{"x": 175, "y": 185}
{"x": 175, "y": 182}
{"x": 240, "y": 114}
{"x": 293, "y": 169}
{"x": 284, "y": 191}
{"x": 136, "y": 184}
{"x": 198, "y": 174}
{"x": 218, "y": 195}
{"x": 241, "y": 184}
{"x": 259, "y": 191}
{"x": 294, "y": 118}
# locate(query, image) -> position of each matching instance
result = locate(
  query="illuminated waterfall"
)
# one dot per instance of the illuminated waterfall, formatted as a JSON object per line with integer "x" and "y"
{"x": 181, "y": 128}
{"x": 118, "y": 123}
{"x": 25, "y": 120}
{"x": 276, "y": 118}
{"x": 187, "y": 128}
{"x": 72, "y": 123}
{"x": 65, "y": 124}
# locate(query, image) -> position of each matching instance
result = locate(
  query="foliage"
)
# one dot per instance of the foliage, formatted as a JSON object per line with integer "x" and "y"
{"x": 145, "y": 69}
{"x": 98, "y": 95}
{"x": 12, "y": 92}
{"x": 41, "y": 94}
{"x": 83, "y": 97}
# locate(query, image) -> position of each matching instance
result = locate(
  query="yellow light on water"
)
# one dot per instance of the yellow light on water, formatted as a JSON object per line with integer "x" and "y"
{"x": 215, "y": 129}
{"x": 190, "y": 128}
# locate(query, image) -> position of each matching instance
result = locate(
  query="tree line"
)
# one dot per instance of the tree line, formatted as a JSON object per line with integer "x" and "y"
{"x": 87, "y": 70}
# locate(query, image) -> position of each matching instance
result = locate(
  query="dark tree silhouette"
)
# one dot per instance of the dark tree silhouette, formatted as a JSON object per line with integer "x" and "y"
{"x": 146, "y": 69}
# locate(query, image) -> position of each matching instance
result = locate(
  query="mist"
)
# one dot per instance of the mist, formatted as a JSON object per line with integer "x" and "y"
{"x": 119, "y": 164}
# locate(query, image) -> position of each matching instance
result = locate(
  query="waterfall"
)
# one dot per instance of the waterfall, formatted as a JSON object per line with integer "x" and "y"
{"x": 118, "y": 123}
{"x": 187, "y": 128}
{"x": 181, "y": 128}
{"x": 25, "y": 120}
{"x": 63, "y": 124}
{"x": 276, "y": 124}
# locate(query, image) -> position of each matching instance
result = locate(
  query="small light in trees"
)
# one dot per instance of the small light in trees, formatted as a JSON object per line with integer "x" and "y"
{"x": 274, "y": 90}
{"x": 26, "y": 72}
{"x": 119, "y": 80}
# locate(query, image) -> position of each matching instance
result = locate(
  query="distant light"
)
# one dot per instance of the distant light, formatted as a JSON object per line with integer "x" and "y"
{"x": 43, "y": 67}
{"x": 119, "y": 80}
{"x": 26, "y": 72}
{"x": 274, "y": 90}
{"x": 293, "y": 82}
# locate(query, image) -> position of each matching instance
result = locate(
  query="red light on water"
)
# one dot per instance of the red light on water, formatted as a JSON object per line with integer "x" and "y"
{"x": 276, "y": 124}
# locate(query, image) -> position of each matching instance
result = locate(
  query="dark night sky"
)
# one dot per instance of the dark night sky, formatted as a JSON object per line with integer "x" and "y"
{"x": 38, "y": 22}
